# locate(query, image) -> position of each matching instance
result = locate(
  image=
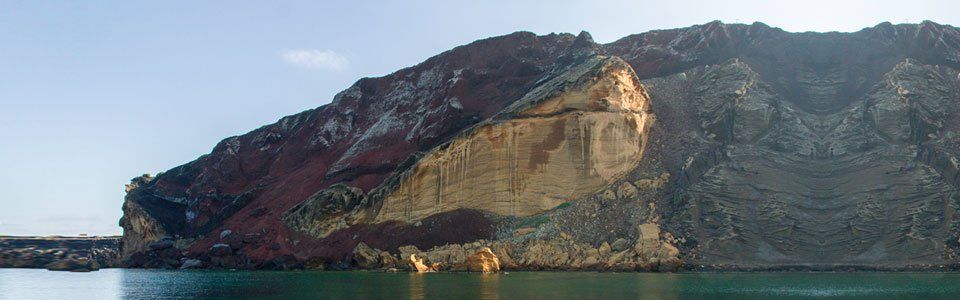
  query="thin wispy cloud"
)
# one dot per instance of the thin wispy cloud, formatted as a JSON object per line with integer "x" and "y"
{"x": 315, "y": 59}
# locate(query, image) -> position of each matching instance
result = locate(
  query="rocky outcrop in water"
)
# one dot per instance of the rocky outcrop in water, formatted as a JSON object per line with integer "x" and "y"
{"x": 718, "y": 146}
{"x": 484, "y": 261}
{"x": 74, "y": 264}
{"x": 417, "y": 264}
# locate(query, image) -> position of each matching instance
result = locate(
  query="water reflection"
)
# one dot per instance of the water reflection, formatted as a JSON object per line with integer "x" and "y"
{"x": 489, "y": 286}
{"x": 658, "y": 287}
{"x": 416, "y": 284}
{"x": 159, "y": 284}
{"x": 447, "y": 285}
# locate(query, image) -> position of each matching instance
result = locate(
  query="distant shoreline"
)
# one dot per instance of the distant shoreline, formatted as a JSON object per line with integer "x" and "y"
{"x": 57, "y": 237}
{"x": 56, "y": 252}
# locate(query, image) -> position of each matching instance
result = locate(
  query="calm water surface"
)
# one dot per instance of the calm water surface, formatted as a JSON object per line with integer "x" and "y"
{"x": 158, "y": 284}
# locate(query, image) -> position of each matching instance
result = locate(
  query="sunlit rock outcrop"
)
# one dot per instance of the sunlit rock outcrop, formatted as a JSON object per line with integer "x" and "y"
{"x": 564, "y": 140}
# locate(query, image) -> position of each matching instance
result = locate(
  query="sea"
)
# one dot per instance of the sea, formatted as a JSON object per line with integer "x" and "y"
{"x": 208, "y": 284}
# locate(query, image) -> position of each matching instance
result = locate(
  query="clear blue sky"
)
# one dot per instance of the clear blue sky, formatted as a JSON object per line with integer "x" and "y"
{"x": 93, "y": 93}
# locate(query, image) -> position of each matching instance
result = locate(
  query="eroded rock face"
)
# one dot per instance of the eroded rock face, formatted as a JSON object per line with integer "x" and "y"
{"x": 563, "y": 141}
{"x": 140, "y": 227}
{"x": 328, "y": 210}
{"x": 913, "y": 103}
{"x": 714, "y": 146}
{"x": 733, "y": 104}
{"x": 831, "y": 179}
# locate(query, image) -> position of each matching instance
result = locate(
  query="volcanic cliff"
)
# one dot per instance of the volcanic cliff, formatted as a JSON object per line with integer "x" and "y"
{"x": 724, "y": 146}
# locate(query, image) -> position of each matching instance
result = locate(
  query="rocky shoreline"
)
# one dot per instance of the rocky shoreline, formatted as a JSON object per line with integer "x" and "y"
{"x": 648, "y": 254}
{"x": 78, "y": 254}
{"x": 510, "y": 255}
{"x": 83, "y": 254}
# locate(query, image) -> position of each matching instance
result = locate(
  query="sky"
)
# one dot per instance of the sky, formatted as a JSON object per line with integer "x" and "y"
{"x": 94, "y": 93}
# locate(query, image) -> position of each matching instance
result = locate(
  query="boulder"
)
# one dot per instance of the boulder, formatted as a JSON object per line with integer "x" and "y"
{"x": 190, "y": 263}
{"x": 648, "y": 244}
{"x": 387, "y": 260}
{"x": 365, "y": 257}
{"x": 220, "y": 250}
{"x": 620, "y": 245}
{"x": 483, "y": 261}
{"x": 418, "y": 265}
{"x": 74, "y": 264}
{"x": 604, "y": 249}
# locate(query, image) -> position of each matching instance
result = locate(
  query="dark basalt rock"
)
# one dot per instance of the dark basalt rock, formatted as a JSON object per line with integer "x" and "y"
{"x": 327, "y": 210}
{"x": 160, "y": 245}
{"x": 74, "y": 264}
{"x": 190, "y": 263}
{"x": 221, "y": 250}
{"x": 822, "y": 187}
{"x": 769, "y": 150}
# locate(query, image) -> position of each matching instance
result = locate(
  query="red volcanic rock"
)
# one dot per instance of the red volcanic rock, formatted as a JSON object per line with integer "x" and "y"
{"x": 363, "y": 135}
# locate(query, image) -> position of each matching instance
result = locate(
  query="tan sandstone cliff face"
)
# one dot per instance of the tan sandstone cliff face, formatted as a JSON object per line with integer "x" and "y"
{"x": 555, "y": 147}
{"x": 144, "y": 229}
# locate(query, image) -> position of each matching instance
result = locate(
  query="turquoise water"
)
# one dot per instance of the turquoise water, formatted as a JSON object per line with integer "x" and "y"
{"x": 159, "y": 284}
